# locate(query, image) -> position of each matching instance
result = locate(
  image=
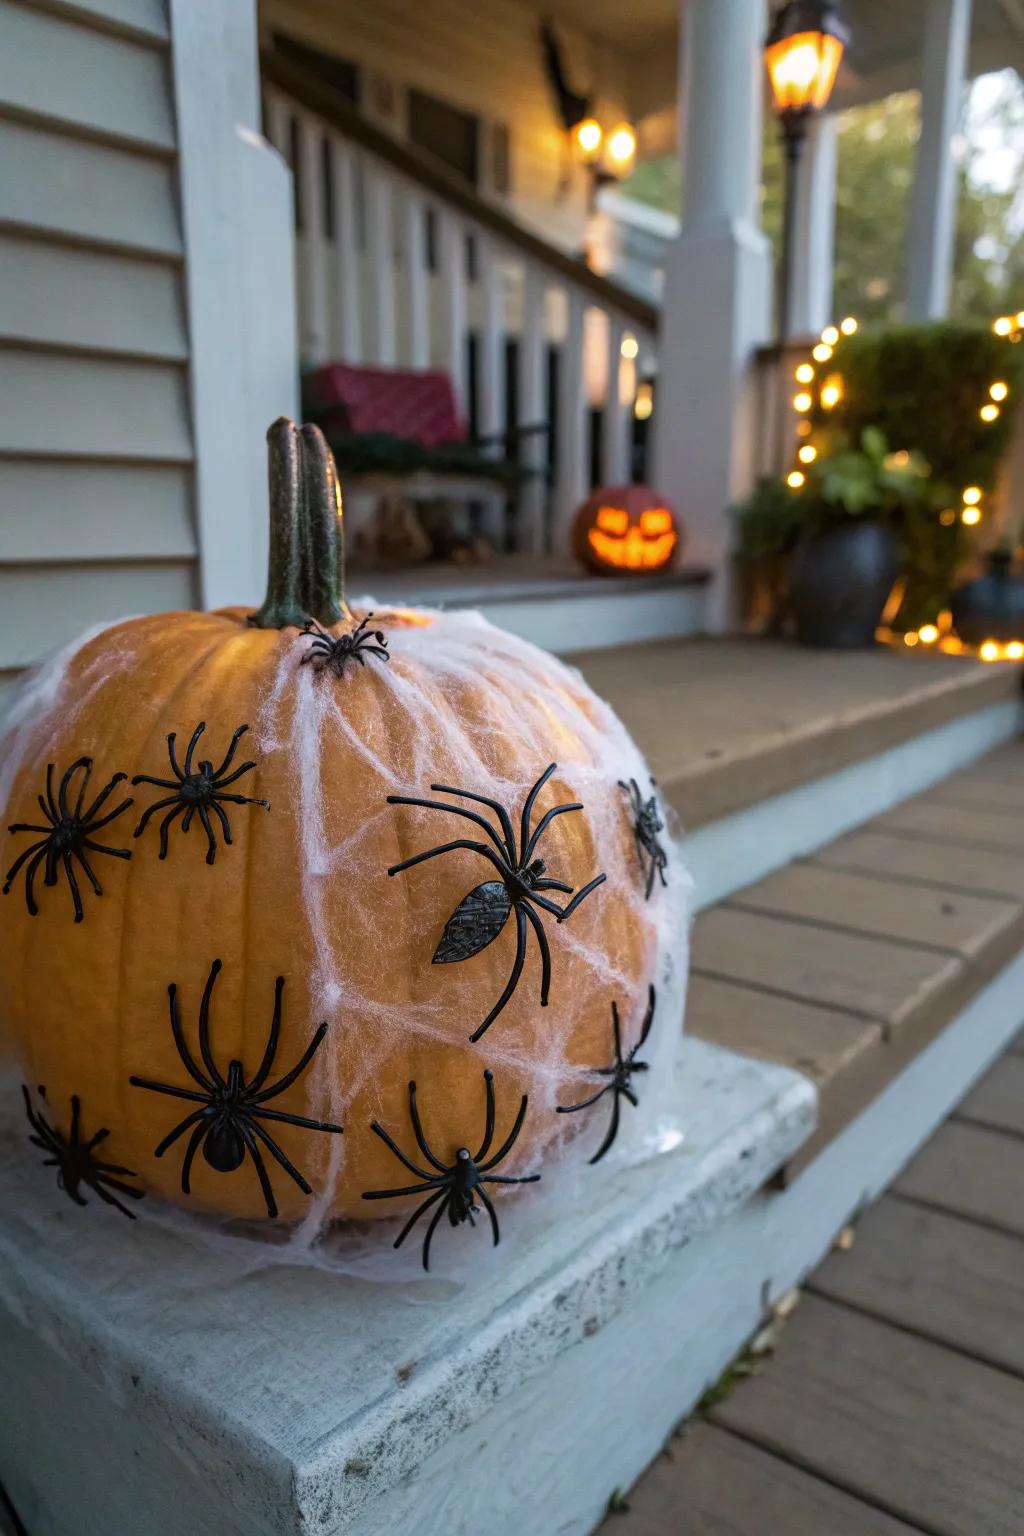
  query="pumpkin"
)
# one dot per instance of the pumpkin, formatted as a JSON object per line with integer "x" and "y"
{"x": 626, "y": 529}
{"x": 214, "y": 892}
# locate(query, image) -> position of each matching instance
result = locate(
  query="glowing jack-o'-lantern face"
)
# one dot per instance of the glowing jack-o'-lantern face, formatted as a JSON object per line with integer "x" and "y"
{"x": 626, "y": 529}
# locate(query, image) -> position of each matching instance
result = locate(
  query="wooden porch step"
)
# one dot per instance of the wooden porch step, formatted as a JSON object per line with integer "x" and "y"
{"x": 847, "y": 964}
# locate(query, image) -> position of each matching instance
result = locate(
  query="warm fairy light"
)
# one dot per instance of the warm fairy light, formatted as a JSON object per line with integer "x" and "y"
{"x": 621, "y": 146}
{"x": 999, "y": 390}
{"x": 830, "y": 335}
{"x": 947, "y": 516}
{"x": 821, "y": 353}
{"x": 848, "y": 326}
{"x": 989, "y": 651}
{"x": 795, "y": 479}
{"x": 1015, "y": 650}
{"x": 1020, "y": 317}
{"x": 910, "y": 638}
{"x": 1003, "y": 326}
{"x": 928, "y": 634}
{"x": 989, "y": 412}
{"x": 804, "y": 428}
{"x": 972, "y": 495}
{"x": 589, "y": 136}
{"x": 802, "y": 401}
{"x": 804, "y": 374}
{"x": 807, "y": 454}
{"x": 970, "y": 516}
{"x": 832, "y": 391}
{"x": 643, "y": 406}
{"x": 630, "y": 346}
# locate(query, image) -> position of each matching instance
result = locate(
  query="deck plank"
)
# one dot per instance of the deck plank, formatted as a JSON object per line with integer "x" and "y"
{"x": 937, "y": 1274}
{"x": 998, "y": 1100}
{"x": 924, "y": 1432}
{"x": 973, "y": 1172}
{"x": 712, "y": 1483}
{"x": 985, "y": 872}
{"x": 954, "y": 825}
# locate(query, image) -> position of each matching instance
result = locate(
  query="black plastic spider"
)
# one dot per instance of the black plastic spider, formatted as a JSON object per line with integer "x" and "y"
{"x": 74, "y": 1158}
{"x": 452, "y": 1188}
{"x": 480, "y": 916}
{"x": 336, "y": 653}
{"x": 619, "y": 1075}
{"x": 227, "y": 1124}
{"x": 197, "y": 792}
{"x": 647, "y": 823}
{"x": 67, "y": 835}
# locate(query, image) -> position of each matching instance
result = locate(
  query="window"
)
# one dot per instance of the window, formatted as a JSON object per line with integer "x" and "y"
{"x": 341, "y": 74}
{"x": 451, "y": 136}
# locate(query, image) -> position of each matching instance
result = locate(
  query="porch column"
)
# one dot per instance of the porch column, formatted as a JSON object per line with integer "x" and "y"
{"x": 717, "y": 283}
{"x": 947, "y": 26}
{"x": 810, "y": 302}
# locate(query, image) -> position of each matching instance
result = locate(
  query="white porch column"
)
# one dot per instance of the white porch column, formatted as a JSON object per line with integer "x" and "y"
{"x": 718, "y": 283}
{"x": 947, "y": 26}
{"x": 810, "y": 304}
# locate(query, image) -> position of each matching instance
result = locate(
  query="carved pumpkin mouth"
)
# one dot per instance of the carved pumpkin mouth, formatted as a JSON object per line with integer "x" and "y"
{"x": 634, "y": 550}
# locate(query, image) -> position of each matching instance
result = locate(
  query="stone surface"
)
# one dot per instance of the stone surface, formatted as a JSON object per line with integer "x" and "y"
{"x": 309, "y": 1395}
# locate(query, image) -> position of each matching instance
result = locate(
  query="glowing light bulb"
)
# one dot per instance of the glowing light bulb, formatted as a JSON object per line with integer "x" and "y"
{"x": 1003, "y": 326}
{"x": 970, "y": 516}
{"x": 989, "y": 651}
{"x": 972, "y": 495}
{"x": 989, "y": 412}
{"x": 802, "y": 401}
{"x": 947, "y": 516}
{"x": 910, "y": 638}
{"x": 1020, "y": 317}
{"x": 630, "y": 346}
{"x": 928, "y": 634}
{"x": 795, "y": 479}
{"x": 589, "y": 136}
{"x": 830, "y": 335}
{"x": 821, "y": 353}
{"x": 803, "y": 428}
{"x": 832, "y": 392}
{"x": 848, "y": 326}
{"x": 644, "y": 407}
{"x": 804, "y": 374}
{"x": 621, "y": 146}
{"x": 999, "y": 390}
{"x": 807, "y": 454}
{"x": 1015, "y": 650}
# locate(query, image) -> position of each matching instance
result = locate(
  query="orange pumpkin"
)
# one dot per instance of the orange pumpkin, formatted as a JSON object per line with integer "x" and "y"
{"x": 212, "y": 895}
{"x": 625, "y": 530}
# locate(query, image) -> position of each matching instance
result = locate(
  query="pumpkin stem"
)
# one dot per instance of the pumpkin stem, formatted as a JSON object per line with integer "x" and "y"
{"x": 306, "y": 574}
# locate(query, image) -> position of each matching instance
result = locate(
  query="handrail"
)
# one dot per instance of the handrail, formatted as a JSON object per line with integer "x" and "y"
{"x": 318, "y": 98}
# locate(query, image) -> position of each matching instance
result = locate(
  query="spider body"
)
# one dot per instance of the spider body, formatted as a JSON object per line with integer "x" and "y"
{"x": 75, "y": 1159}
{"x": 647, "y": 823}
{"x": 335, "y": 652}
{"x": 619, "y": 1077}
{"x": 198, "y": 790}
{"x": 227, "y": 1124}
{"x": 66, "y": 836}
{"x": 453, "y": 1188}
{"x": 481, "y": 915}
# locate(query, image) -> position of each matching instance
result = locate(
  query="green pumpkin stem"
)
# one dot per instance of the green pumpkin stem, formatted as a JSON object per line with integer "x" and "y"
{"x": 306, "y": 570}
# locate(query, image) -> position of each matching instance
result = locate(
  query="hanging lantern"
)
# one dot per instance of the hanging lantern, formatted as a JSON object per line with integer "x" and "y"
{"x": 626, "y": 530}
{"x": 802, "y": 52}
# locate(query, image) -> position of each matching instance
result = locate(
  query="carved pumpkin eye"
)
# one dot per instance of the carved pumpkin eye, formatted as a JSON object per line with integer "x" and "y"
{"x": 613, "y": 520}
{"x": 656, "y": 521}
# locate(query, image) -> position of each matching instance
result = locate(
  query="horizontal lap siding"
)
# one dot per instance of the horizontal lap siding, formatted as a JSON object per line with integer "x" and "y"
{"x": 96, "y": 479}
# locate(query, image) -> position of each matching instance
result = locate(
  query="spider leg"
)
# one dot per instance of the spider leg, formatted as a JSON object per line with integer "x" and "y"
{"x": 271, "y": 1047}
{"x": 97, "y": 888}
{"x": 30, "y": 875}
{"x": 204, "y": 1025}
{"x": 180, "y": 1129}
{"x": 245, "y": 768}
{"x": 110, "y": 1199}
{"x": 417, "y": 1213}
{"x": 396, "y": 1149}
{"x": 509, "y": 1141}
{"x": 617, "y": 1034}
{"x": 76, "y": 895}
{"x": 568, "y": 1109}
{"x": 115, "y": 853}
{"x": 50, "y": 823}
{"x": 409, "y": 1189}
{"x": 378, "y": 650}
{"x": 225, "y": 825}
{"x": 545, "y": 953}
{"x": 261, "y": 1168}
{"x": 179, "y": 1039}
{"x": 50, "y": 877}
{"x": 581, "y": 896}
{"x": 275, "y": 1151}
{"x": 504, "y": 1178}
{"x": 211, "y": 841}
{"x": 552, "y": 885}
{"x": 628, "y": 1093}
{"x": 430, "y": 1232}
{"x": 36, "y": 1121}
{"x": 65, "y": 785}
{"x": 298, "y": 1069}
{"x": 417, "y": 1128}
{"x": 453, "y": 810}
{"x": 158, "y": 805}
{"x": 94, "y": 826}
{"x": 492, "y": 805}
{"x": 101, "y": 799}
{"x": 200, "y": 728}
{"x": 489, "y": 1208}
{"x": 190, "y": 1152}
{"x": 172, "y": 754}
{"x": 229, "y": 757}
{"x": 524, "y": 823}
{"x": 544, "y": 823}
{"x": 187, "y": 820}
{"x": 285, "y": 1119}
{"x": 651, "y": 867}
{"x": 611, "y": 1133}
{"x": 51, "y": 802}
{"x": 485, "y": 1145}
{"x": 22, "y": 858}
{"x": 460, "y": 842}
{"x": 168, "y": 1088}
{"x": 513, "y": 980}
{"x": 147, "y": 778}
{"x": 242, "y": 800}
{"x": 645, "y": 1028}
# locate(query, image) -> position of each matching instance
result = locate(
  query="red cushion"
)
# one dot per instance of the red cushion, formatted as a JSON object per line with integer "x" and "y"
{"x": 418, "y": 405}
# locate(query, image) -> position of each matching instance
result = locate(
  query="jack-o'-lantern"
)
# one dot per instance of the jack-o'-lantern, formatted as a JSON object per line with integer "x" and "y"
{"x": 626, "y": 530}
{"x": 297, "y": 901}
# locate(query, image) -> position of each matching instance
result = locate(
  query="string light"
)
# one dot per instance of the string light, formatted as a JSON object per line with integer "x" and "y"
{"x": 989, "y": 651}
{"x": 831, "y": 392}
{"x": 910, "y": 638}
{"x": 928, "y": 634}
{"x": 630, "y": 346}
{"x": 1015, "y": 650}
{"x": 830, "y": 335}
{"x": 972, "y": 495}
{"x": 804, "y": 374}
{"x": 970, "y": 516}
{"x": 1003, "y": 326}
{"x": 947, "y": 516}
{"x": 804, "y": 428}
{"x": 989, "y": 412}
{"x": 802, "y": 402}
{"x": 821, "y": 353}
{"x": 795, "y": 479}
{"x": 999, "y": 390}
{"x": 807, "y": 454}
{"x": 848, "y": 326}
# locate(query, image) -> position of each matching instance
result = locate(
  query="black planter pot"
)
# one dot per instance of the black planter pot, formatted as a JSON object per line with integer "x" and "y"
{"x": 992, "y": 607}
{"x": 839, "y": 583}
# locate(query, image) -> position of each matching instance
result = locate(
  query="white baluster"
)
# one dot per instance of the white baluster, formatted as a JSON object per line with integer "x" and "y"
{"x": 417, "y": 281}
{"x": 312, "y": 246}
{"x": 345, "y": 270}
{"x": 617, "y": 425}
{"x": 452, "y": 257}
{"x": 571, "y": 477}
{"x": 533, "y": 410}
{"x": 491, "y": 372}
{"x": 380, "y": 242}
{"x": 277, "y": 121}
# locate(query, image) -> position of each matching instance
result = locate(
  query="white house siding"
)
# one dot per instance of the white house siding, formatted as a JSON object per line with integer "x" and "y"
{"x": 484, "y": 58}
{"x": 96, "y": 450}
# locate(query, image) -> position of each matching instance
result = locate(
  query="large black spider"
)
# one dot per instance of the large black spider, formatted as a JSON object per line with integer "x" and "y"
{"x": 227, "y": 1123}
{"x": 336, "y": 652}
{"x": 68, "y": 833}
{"x": 647, "y": 823}
{"x": 619, "y": 1076}
{"x": 75, "y": 1160}
{"x": 452, "y": 1188}
{"x": 480, "y": 916}
{"x": 197, "y": 792}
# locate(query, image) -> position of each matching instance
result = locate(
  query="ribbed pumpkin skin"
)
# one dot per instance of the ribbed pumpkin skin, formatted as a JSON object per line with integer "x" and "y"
{"x": 87, "y": 1003}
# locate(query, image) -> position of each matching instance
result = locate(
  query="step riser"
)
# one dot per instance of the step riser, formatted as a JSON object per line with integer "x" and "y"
{"x": 736, "y": 850}
{"x": 604, "y": 619}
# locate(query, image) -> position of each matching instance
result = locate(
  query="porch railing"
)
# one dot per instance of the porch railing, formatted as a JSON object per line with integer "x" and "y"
{"x": 400, "y": 263}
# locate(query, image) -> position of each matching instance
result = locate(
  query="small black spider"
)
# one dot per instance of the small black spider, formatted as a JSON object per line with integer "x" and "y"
{"x": 618, "y": 1074}
{"x": 67, "y": 834}
{"x": 647, "y": 823}
{"x": 336, "y": 653}
{"x": 74, "y": 1158}
{"x": 197, "y": 792}
{"x": 480, "y": 916}
{"x": 454, "y": 1187}
{"x": 227, "y": 1124}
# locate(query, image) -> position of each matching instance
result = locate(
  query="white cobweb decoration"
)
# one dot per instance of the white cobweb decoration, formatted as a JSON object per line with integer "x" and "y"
{"x": 534, "y": 700}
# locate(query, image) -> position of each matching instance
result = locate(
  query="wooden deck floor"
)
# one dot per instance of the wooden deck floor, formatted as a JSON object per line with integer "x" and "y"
{"x": 894, "y": 1402}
